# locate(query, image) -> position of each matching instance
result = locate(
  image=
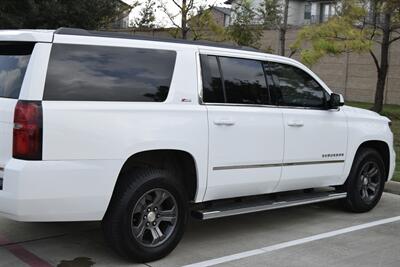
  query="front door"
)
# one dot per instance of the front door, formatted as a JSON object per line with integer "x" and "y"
{"x": 315, "y": 137}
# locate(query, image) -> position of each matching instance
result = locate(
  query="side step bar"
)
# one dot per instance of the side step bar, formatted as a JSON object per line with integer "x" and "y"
{"x": 256, "y": 205}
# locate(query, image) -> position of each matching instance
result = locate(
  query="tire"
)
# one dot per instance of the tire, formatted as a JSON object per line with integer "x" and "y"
{"x": 366, "y": 181}
{"x": 147, "y": 215}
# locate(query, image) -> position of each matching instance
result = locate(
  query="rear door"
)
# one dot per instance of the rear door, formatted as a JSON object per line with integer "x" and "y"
{"x": 245, "y": 134}
{"x": 14, "y": 60}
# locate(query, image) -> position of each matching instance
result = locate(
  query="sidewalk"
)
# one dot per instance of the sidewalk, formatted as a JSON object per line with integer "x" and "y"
{"x": 393, "y": 187}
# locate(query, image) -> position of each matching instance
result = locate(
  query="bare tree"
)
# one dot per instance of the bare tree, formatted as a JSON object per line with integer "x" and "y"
{"x": 185, "y": 8}
{"x": 385, "y": 24}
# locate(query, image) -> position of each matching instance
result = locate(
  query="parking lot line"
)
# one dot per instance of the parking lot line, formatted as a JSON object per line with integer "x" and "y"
{"x": 23, "y": 254}
{"x": 292, "y": 243}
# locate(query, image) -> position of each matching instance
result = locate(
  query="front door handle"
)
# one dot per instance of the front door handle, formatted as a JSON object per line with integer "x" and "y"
{"x": 296, "y": 123}
{"x": 224, "y": 122}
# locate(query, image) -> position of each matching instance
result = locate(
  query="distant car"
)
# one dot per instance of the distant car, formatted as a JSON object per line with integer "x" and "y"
{"x": 138, "y": 132}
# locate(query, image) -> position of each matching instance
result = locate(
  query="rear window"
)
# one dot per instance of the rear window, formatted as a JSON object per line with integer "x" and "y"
{"x": 102, "y": 73}
{"x": 14, "y": 59}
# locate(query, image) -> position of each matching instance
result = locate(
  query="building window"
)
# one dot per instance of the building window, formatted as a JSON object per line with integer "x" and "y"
{"x": 326, "y": 12}
{"x": 307, "y": 11}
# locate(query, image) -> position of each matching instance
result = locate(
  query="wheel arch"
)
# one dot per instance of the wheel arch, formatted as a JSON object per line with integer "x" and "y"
{"x": 383, "y": 149}
{"x": 180, "y": 162}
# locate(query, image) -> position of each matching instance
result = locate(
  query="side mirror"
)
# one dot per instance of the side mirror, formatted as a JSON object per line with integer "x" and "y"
{"x": 335, "y": 101}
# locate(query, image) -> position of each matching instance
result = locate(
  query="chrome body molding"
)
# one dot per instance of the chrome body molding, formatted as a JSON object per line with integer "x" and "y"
{"x": 235, "y": 167}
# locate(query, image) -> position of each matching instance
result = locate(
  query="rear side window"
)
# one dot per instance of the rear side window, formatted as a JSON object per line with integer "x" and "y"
{"x": 233, "y": 80}
{"x": 14, "y": 59}
{"x": 244, "y": 81}
{"x": 101, "y": 73}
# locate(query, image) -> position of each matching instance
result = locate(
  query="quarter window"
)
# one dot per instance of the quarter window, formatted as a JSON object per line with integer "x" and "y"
{"x": 14, "y": 59}
{"x": 294, "y": 87}
{"x": 101, "y": 73}
{"x": 212, "y": 82}
{"x": 244, "y": 81}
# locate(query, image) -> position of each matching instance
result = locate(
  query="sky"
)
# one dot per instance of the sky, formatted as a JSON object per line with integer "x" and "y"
{"x": 161, "y": 18}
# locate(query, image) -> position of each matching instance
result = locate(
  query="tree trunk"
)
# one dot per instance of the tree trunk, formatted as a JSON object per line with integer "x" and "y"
{"x": 384, "y": 66}
{"x": 283, "y": 28}
{"x": 184, "y": 12}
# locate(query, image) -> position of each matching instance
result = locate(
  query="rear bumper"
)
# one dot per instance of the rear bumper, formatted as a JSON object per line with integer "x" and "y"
{"x": 57, "y": 190}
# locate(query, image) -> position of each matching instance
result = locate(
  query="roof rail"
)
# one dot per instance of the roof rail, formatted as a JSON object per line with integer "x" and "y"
{"x": 82, "y": 32}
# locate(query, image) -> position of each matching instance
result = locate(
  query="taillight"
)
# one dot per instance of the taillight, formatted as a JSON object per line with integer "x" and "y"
{"x": 28, "y": 130}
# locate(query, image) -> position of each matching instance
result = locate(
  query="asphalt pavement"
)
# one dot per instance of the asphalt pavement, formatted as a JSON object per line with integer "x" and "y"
{"x": 314, "y": 235}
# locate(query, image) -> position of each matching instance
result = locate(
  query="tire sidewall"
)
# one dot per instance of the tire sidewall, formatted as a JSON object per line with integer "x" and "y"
{"x": 354, "y": 200}
{"x": 154, "y": 179}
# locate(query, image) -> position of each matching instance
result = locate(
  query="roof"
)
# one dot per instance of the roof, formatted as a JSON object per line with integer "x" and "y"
{"x": 225, "y": 10}
{"x": 81, "y": 32}
{"x": 47, "y": 37}
{"x": 27, "y": 35}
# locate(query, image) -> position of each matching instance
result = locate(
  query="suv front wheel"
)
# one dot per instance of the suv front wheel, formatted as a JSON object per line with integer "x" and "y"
{"x": 366, "y": 181}
{"x": 147, "y": 215}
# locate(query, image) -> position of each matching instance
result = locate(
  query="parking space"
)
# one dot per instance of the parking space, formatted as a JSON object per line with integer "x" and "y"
{"x": 368, "y": 248}
{"x": 81, "y": 244}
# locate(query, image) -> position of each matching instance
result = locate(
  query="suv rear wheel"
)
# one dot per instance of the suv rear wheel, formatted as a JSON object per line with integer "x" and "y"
{"x": 366, "y": 181}
{"x": 147, "y": 215}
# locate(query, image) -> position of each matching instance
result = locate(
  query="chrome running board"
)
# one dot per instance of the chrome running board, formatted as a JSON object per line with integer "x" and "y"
{"x": 262, "y": 204}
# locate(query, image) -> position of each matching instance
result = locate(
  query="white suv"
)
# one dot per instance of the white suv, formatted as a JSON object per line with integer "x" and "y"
{"x": 137, "y": 132}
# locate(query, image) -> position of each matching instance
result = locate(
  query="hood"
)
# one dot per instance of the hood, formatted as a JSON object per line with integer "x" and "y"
{"x": 365, "y": 113}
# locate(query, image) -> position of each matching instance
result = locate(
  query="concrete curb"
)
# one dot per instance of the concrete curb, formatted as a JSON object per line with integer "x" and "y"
{"x": 393, "y": 187}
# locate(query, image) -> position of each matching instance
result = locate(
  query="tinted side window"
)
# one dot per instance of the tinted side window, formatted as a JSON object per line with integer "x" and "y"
{"x": 212, "y": 82}
{"x": 294, "y": 87}
{"x": 14, "y": 59}
{"x": 244, "y": 81}
{"x": 100, "y": 73}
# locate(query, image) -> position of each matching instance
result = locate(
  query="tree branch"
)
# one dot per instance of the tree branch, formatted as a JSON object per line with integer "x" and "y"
{"x": 394, "y": 40}
{"x": 190, "y": 5}
{"x": 395, "y": 27}
{"x": 292, "y": 52}
{"x": 170, "y": 16}
{"x": 174, "y": 23}
{"x": 375, "y": 25}
{"x": 176, "y": 3}
{"x": 172, "y": 19}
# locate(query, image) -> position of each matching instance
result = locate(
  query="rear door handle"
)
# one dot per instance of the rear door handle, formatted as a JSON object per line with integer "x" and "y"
{"x": 296, "y": 123}
{"x": 224, "y": 122}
